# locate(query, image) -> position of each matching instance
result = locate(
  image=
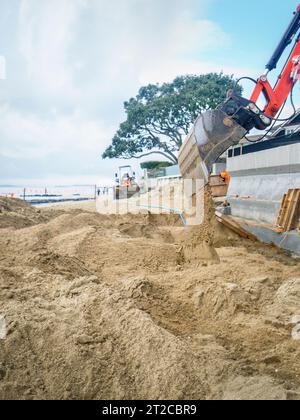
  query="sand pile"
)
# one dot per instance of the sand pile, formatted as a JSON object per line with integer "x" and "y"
{"x": 18, "y": 214}
{"x": 197, "y": 241}
{"x": 91, "y": 342}
{"x": 105, "y": 306}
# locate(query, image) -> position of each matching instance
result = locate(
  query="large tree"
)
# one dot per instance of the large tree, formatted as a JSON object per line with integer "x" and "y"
{"x": 160, "y": 116}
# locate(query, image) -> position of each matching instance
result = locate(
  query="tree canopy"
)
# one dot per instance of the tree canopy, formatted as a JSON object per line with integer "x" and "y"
{"x": 160, "y": 116}
{"x": 154, "y": 164}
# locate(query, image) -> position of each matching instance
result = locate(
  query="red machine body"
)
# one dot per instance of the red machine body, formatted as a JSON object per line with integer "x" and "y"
{"x": 277, "y": 96}
{"x": 290, "y": 75}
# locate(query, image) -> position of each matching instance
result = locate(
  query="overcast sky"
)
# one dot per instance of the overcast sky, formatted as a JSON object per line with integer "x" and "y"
{"x": 70, "y": 65}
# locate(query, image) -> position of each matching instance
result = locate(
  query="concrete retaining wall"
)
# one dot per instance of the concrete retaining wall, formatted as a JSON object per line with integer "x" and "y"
{"x": 259, "y": 180}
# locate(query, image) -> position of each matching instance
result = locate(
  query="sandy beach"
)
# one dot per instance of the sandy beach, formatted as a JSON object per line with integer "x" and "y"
{"x": 82, "y": 205}
{"x": 139, "y": 307}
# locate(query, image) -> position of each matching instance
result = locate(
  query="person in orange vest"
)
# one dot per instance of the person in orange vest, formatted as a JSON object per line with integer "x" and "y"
{"x": 126, "y": 181}
{"x": 225, "y": 176}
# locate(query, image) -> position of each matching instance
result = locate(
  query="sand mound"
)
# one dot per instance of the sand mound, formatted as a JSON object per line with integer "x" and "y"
{"x": 222, "y": 301}
{"x": 122, "y": 355}
{"x": 138, "y": 288}
{"x": 288, "y": 295}
{"x": 198, "y": 243}
{"x": 286, "y": 303}
{"x": 149, "y": 231}
{"x": 256, "y": 388}
{"x": 18, "y": 214}
{"x": 13, "y": 204}
{"x": 138, "y": 307}
{"x": 163, "y": 219}
{"x": 193, "y": 252}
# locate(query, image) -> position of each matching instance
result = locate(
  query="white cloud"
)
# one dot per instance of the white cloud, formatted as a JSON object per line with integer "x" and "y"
{"x": 46, "y": 29}
{"x": 137, "y": 38}
{"x": 111, "y": 46}
{"x": 176, "y": 66}
{"x": 2, "y": 68}
{"x": 190, "y": 35}
{"x": 34, "y": 137}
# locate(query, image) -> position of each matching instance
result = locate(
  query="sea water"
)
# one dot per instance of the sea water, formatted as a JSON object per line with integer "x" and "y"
{"x": 59, "y": 192}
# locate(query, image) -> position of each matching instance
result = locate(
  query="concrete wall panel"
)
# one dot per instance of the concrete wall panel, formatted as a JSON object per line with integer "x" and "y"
{"x": 259, "y": 181}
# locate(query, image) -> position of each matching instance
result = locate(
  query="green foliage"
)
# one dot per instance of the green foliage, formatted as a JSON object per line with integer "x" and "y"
{"x": 160, "y": 116}
{"x": 153, "y": 164}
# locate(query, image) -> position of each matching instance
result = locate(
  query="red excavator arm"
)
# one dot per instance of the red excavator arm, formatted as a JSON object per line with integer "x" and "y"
{"x": 217, "y": 130}
{"x": 242, "y": 110}
{"x": 289, "y": 76}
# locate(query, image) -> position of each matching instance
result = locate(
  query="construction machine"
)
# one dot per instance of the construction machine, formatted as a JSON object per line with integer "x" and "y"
{"x": 126, "y": 185}
{"x": 217, "y": 130}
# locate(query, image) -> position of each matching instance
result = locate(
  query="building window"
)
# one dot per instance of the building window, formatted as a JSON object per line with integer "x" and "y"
{"x": 237, "y": 151}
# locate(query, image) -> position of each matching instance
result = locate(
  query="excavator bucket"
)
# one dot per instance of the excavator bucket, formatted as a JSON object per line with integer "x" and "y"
{"x": 213, "y": 133}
